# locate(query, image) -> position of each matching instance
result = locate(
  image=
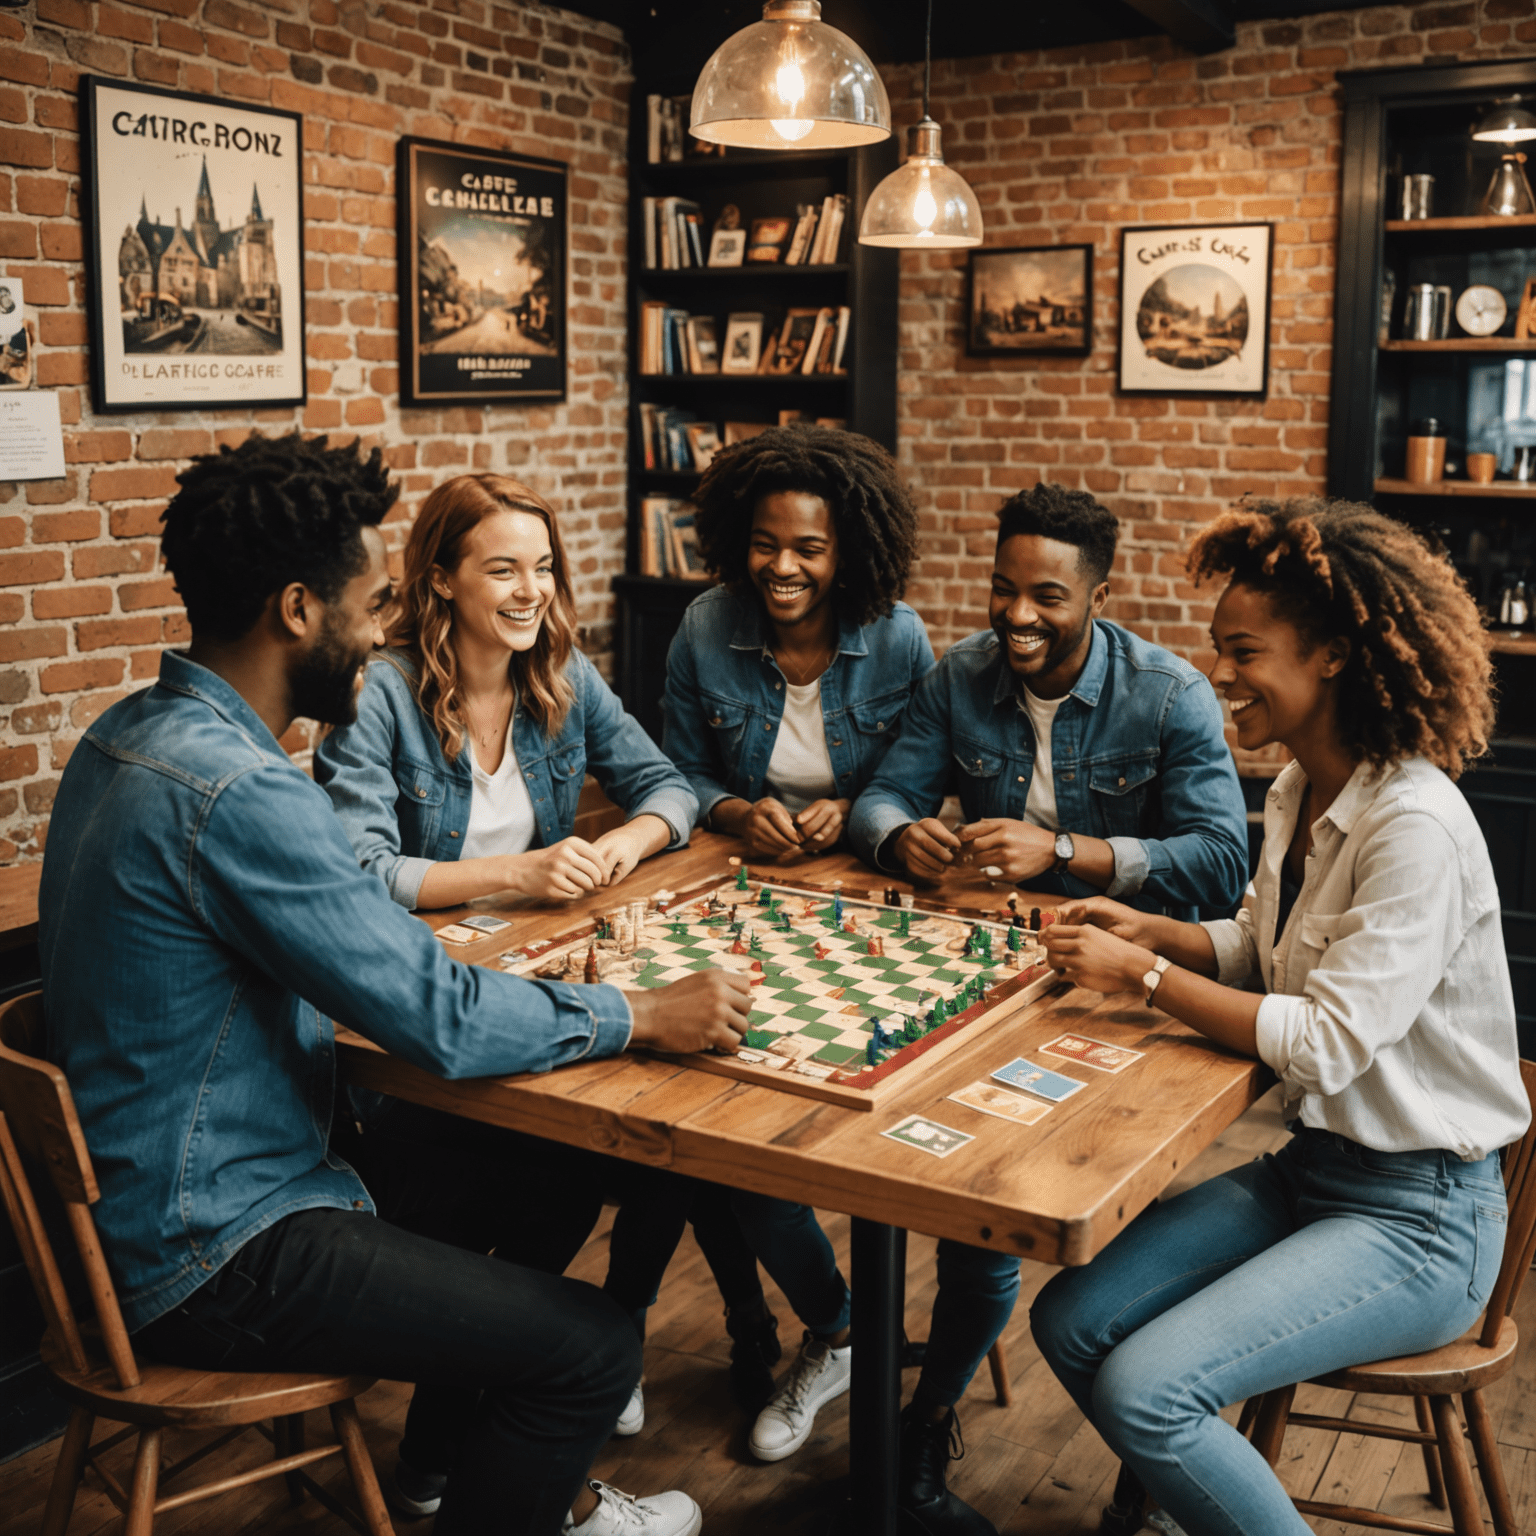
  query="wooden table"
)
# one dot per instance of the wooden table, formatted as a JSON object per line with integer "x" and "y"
{"x": 1057, "y": 1191}
{"x": 18, "y": 904}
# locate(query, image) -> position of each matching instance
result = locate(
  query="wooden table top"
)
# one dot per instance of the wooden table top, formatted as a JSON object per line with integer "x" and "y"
{"x": 1057, "y": 1191}
{"x": 18, "y": 904}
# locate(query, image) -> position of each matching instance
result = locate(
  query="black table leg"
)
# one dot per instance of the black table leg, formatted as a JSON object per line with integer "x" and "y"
{"x": 879, "y": 1290}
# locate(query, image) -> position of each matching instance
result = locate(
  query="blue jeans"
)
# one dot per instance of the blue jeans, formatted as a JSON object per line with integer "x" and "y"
{"x": 1324, "y": 1255}
{"x": 977, "y": 1290}
{"x": 791, "y": 1246}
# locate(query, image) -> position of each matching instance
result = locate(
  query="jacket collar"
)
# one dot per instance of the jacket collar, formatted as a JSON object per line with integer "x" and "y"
{"x": 1360, "y": 789}
{"x": 752, "y": 631}
{"x": 180, "y": 674}
{"x": 1090, "y": 681}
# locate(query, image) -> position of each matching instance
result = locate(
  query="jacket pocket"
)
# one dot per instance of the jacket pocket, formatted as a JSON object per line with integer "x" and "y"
{"x": 420, "y": 785}
{"x": 1320, "y": 929}
{"x": 727, "y": 721}
{"x": 1487, "y": 1251}
{"x": 980, "y": 780}
{"x": 1120, "y": 792}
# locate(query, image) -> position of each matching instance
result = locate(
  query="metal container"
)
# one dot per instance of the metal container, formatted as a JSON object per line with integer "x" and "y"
{"x": 1418, "y": 197}
{"x": 1427, "y": 312}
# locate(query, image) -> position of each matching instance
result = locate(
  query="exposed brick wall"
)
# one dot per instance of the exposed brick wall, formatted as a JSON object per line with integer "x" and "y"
{"x": 84, "y": 610}
{"x": 1069, "y": 146}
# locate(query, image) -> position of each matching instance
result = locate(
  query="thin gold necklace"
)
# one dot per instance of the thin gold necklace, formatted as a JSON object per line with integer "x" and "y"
{"x": 487, "y": 737}
{"x": 820, "y": 664}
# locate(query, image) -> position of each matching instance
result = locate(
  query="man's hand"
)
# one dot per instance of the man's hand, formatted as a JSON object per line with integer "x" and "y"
{"x": 568, "y": 869}
{"x": 820, "y": 824}
{"x": 926, "y": 848}
{"x": 621, "y": 848}
{"x": 705, "y": 1011}
{"x": 1019, "y": 848}
{"x": 1113, "y": 917}
{"x": 766, "y": 828}
{"x": 1093, "y": 958}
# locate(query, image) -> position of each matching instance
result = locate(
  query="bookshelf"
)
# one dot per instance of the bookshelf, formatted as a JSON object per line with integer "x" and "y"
{"x": 761, "y": 185}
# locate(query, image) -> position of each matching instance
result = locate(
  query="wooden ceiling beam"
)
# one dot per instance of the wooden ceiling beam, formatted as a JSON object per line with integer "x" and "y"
{"x": 1206, "y": 26}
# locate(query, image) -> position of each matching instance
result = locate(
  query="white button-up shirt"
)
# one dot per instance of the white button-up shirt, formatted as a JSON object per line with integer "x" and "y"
{"x": 1389, "y": 1010}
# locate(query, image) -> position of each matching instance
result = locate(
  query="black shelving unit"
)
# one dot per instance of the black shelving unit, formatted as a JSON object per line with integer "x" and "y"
{"x": 1411, "y": 121}
{"x": 761, "y": 185}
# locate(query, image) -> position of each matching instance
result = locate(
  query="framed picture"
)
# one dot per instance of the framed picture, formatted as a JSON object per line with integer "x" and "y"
{"x": 18, "y": 336}
{"x": 727, "y": 247}
{"x": 1194, "y": 309}
{"x": 482, "y": 258}
{"x": 194, "y": 248}
{"x": 1030, "y": 299}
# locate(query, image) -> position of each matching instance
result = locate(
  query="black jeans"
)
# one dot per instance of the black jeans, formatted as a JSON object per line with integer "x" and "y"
{"x": 545, "y": 1364}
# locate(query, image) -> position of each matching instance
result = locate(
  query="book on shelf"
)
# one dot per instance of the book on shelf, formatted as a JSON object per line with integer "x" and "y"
{"x": 703, "y": 345}
{"x": 666, "y": 131}
{"x": 743, "y": 342}
{"x": 768, "y": 238}
{"x": 669, "y": 540}
{"x": 805, "y": 341}
{"x": 740, "y": 431}
{"x": 808, "y": 341}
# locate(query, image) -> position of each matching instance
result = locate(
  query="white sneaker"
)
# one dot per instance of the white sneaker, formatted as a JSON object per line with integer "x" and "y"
{"x": 819, "y": 1374}
{"x": 632, "y": 1420}
{"x": 621, "y": 1514}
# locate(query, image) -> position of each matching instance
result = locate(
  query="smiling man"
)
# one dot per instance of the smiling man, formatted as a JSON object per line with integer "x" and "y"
{"x": 1086, "y": 760}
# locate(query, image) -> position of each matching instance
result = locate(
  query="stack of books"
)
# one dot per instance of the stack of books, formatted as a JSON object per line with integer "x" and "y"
{"x": 666, "y": 131}
{"x": 818, "y": 233}
{"x": 673, "y": 341}
{"x": 803, "y": 341}
{"x": 672, "y": 237}
{"x": 675, "y": 440}
{"x": 669, "y": 542}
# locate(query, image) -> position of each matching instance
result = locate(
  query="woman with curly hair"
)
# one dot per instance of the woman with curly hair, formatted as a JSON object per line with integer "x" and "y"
{"x": 786, "y": 682}
{"x": 1366, "y": 967}
{"x": 479, "y": 721}
{"x": 785, "y": 686}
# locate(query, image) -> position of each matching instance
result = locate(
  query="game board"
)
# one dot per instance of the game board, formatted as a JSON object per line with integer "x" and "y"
{"x": 820, "y": 996}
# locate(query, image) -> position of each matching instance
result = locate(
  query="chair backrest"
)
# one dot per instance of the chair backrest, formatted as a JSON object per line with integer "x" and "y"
{"x": 37, "y": 1117}
{"x": 1520, "y": 1235}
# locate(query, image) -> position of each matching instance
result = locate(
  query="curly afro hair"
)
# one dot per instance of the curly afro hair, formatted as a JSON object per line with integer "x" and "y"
{"x": 1070, "y": 517}
{"x": 1418, "y": 679}
{"x": 249, "y": 520}
{"x": 872, "y": 515}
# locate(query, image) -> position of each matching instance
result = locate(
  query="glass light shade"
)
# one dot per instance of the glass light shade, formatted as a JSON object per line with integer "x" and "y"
{"x": 1509, "y": 193}
{"x": 790, "y": 81}
{"x": 1506, "y": 124}
{"x": 922, "y": 204}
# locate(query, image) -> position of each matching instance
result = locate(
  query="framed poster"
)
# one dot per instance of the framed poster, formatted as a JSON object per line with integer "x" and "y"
{"x": 1030, "y": 299}
{"x": 483, "y": 240}
{"x": 1194, "y": 309}
{"x": 194, "y": 248}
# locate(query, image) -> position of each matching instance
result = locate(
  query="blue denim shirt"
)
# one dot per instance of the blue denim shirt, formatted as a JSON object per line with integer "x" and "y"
{"x": 405, "y": 807}
{"x": 1137, "y": 752}
{"x": 203, "y": 919}
{"x": 725, "y": 696}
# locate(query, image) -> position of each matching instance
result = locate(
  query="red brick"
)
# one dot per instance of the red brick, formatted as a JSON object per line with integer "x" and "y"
{"x": 70, "y": 602}
{"x": 134, "y": 595}
{"x": 169, "y": 443}
{"x": 132, "y": 484}
{"x": 73, "y": 676}
{"x": 42, "y": 195}
{"x": 98, "y": 634}
{"x": 113, "y": 560}
{"x": 25, "y": 146}
{"x": 32, "y": 643}
{"x": 28, "y": 569}
{"x": 66, "y": 527}
{"x": 18, "y": 762}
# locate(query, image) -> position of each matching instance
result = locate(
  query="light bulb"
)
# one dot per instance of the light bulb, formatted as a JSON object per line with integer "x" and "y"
{"x": 792, "y": 128}
{"x": 924, "y": 209}
{"x": 791, "y": 83}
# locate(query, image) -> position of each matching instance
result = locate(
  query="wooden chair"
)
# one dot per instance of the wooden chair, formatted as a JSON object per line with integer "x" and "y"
{"x": 1464, "y": 1368}
{"x": 92, "y": 1362}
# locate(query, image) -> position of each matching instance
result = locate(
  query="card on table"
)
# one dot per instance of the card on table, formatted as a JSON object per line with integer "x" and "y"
{"x": 1002, "y": 1102}
{"x": 1097, "y": 1054}
{"x": 457, "y": 933}
{"x": 1032, "y": 1079}
{"x": 483, "y": 922}
{"x": 927, "y": 1136}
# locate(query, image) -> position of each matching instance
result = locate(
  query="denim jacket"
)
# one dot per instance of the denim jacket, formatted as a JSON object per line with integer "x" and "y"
{"x": 725, "y": 696}
{"x": 406, "y": 807}
{"x": 1137, "y": 752}
{"x": 203, "y": 919}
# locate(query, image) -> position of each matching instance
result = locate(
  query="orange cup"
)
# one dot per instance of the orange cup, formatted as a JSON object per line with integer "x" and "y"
{"x": 1480, "y": 467}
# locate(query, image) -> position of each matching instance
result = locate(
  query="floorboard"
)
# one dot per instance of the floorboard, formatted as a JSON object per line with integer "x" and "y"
{"x": 1035, "y": 1469}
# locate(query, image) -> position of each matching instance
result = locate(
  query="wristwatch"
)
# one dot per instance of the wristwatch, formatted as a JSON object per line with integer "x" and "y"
{"x": 1155, "y": 975}
{"x": 1066, "y": 851}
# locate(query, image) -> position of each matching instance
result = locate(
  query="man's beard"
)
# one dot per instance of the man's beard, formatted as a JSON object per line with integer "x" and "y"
{"x": 1056, "y": 651}
{"x": 324, "y": 683}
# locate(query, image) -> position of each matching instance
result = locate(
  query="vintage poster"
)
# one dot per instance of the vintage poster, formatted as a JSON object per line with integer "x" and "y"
{"x": 195, "y": 246}
{"x": 1194, "y": 309}
{"x": 1034, "y": 298}
{"x": 482, "y": 275}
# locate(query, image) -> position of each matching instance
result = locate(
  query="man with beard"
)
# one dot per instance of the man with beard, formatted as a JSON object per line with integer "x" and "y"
{"x": 203, "y": 918}
{"x": 1086, "y": 760}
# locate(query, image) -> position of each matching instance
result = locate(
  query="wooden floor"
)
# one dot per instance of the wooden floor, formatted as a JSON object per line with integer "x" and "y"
{"x": 1035, "y": 1468}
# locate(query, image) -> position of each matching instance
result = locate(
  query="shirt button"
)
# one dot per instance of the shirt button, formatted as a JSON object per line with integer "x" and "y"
{"x": 1070, "y": 776}
{"x": 421, "y": 794}
{"x": 879, "y": 725}
{"x": 359, "y": 1205}
{"x": 838, "y": 742}
{"x": 1120, "y": 782}
{"x": 1021, "y": 778}
{"x": 715, "y": 720}
{"x": 767, "y": 726}
{"x": 453, "y": 834}
{"x": 207, "y": 1264}
{"x": 777, "y": 686}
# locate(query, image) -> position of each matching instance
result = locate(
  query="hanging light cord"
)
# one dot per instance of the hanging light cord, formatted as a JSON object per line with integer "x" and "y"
{"x": 927, "y": 57}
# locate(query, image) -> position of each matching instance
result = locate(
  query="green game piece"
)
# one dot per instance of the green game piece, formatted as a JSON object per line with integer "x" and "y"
{"x": 755, "y": 945}
{"x": 904, "y": 924}
{"x": 741, "y": 877}
{"x": 758, "y": 1039}
{"x": 1015, "y": 939}
{"x": 765, "y": 897}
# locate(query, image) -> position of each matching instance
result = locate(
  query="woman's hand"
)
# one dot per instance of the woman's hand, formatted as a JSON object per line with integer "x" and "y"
{"x": 821, "y": 823}
{"x": 562, "y": 872}
{"x": 1094, "y": 958}
{"x": 766, "y": 828}
{"x": 623, "y": 847}
{"x": 1113, "y": 917}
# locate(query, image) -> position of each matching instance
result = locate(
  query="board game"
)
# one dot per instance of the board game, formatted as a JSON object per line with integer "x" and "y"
{"x": 850, "y": 994}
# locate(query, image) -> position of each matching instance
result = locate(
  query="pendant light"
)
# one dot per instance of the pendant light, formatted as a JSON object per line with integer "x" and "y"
{"x": 1506, "y": 123}
{"x": 790, "y": 81}
{"x": 923, "y": 204}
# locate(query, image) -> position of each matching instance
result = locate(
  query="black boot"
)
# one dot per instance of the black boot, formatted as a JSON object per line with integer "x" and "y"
{"x": 755, "y": 1350}
{"x": 926, "y": 1504}
{"x": 1126, "y": 1514}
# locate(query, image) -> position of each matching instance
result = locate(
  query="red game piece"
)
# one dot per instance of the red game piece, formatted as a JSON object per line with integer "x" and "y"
{"x": 738, "y": 948}
{"x": 876, "y": 945}
{"x": 756, "y": 978}
{"x": 591, "y": 969}
{"x": 822, "y": 951}
{"x": 1047, "y": 918}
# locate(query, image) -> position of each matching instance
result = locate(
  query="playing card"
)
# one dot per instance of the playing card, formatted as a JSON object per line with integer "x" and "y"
{"x": 1092, "y": 1053}
{"x": 457, "y": 933}
{"x": 927, "y": 1136}
{"x": 483, "y": 922}
{"x": 1032, "y": 1079}
{"x": 1002, "y": 1102}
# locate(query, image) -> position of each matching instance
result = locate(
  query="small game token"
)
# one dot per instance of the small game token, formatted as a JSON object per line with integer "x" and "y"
{"x": 590, "y": 973}
{"x": 992, "y": 872}
{"x": 1034, "y": 919}
{"x": 1037, "y": 1080}
{"x": 458, "y": 933}
{"x": 927, "y": 1136}
{"x": 484, "y": 923}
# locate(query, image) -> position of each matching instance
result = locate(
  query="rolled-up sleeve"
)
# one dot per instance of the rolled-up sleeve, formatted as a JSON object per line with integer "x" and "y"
{"x": 1382, "y": 959}
{"x": 301, "y": 909}
{"x": 1237, "y": 953}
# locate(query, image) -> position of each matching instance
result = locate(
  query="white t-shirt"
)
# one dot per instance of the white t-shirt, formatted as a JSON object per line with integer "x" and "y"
{"x": 1040, "y": 803}
{"x": 501, "y": 818}
{"x": 800, "y": 769}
